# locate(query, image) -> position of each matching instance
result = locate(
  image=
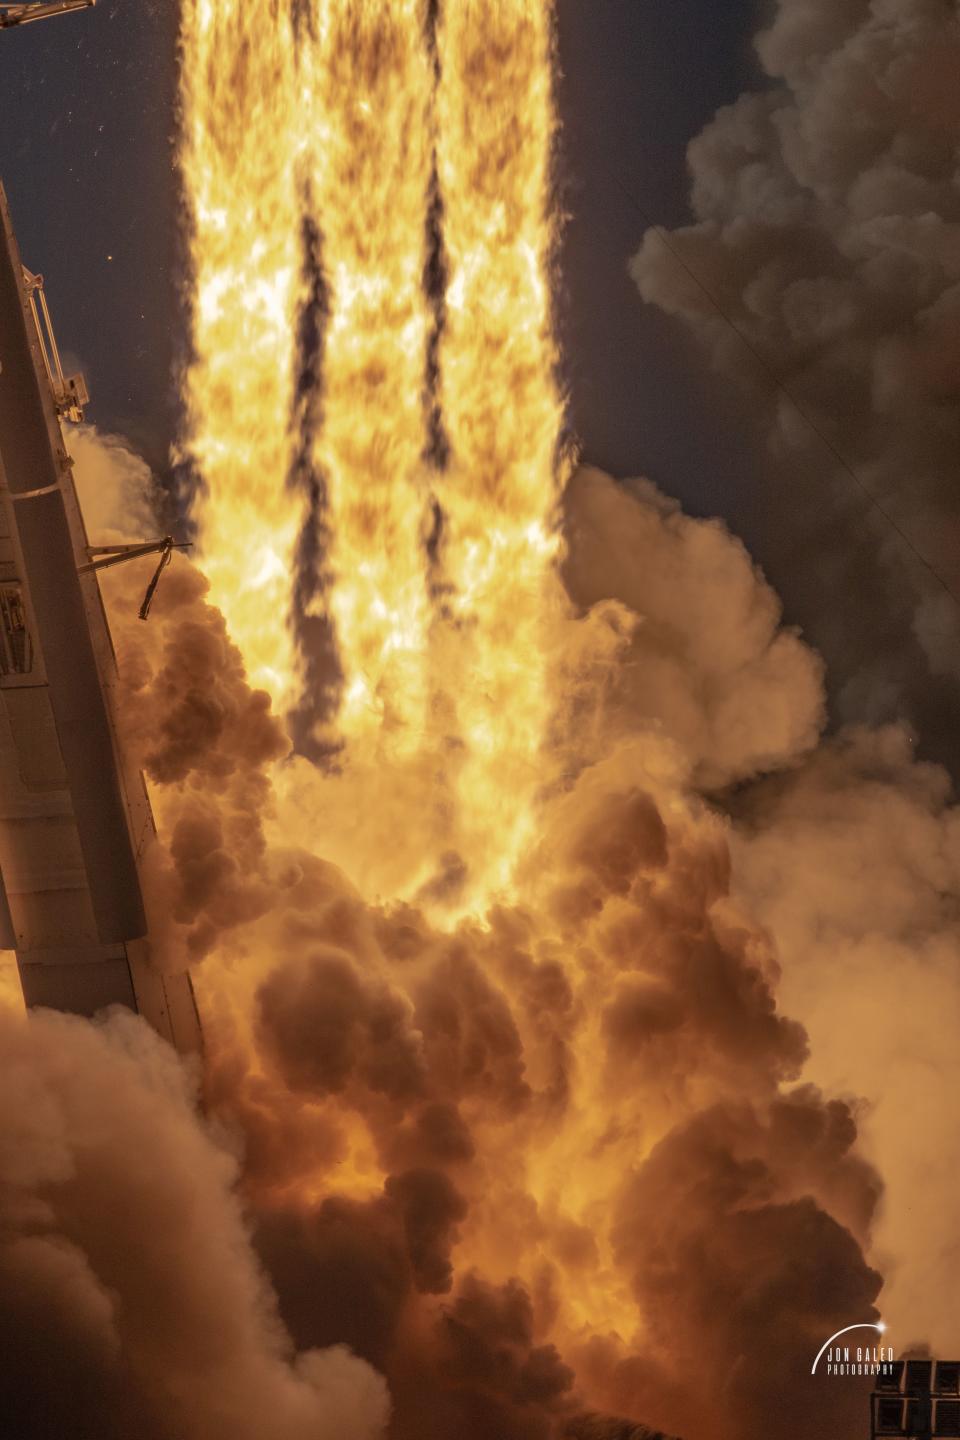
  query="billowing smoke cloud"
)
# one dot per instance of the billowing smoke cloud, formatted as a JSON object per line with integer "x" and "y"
{"x": 118, "y": 493}
{"x": 555, "y": 1167}
{"x": 854, "y": 864}
{"x": 826, "y": 209}
{"x": 131, "y": 1301}
{"x": 189, "y": 718}
{"x": 196, "y": 729}
{"x": 567, "y": 1169}
{"x": 706, "y": 660}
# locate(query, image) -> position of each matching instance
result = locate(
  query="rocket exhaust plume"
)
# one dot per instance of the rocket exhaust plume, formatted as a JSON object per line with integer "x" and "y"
{"x": 242, "y": 134}
{"x": 497, "y": 1092}
{"x": 502, "y": 415}
{"x": 443, "y": 649}
{"x": 370, "y": 82}
{"x": 439, "y": 1140}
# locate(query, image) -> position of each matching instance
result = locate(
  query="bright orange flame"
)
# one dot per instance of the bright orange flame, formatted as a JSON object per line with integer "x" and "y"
{"x": 370, "y": 81}
{"x": 447, "y": 695}
{"x": 242, "y": 140}
{"x": 502, "y": 414}
{"x": 347, "y": 127}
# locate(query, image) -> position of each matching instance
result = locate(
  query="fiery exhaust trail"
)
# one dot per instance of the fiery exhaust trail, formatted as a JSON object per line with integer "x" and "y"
{"x": 242, "y": 135}
{"x": 502, "y": 413}
{"x": 371, "y": 83}
{"x": 343, "y": 119}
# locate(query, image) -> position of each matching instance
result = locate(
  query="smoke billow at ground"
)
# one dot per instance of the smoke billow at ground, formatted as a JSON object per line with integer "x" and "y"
{"x": 569, "y": 1164}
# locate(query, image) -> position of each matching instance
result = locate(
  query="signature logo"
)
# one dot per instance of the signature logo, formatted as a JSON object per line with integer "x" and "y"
{"x": 855, "y": 1359}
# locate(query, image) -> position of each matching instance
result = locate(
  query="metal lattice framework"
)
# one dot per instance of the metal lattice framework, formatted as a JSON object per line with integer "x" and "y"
{"x": 22, "y": 14}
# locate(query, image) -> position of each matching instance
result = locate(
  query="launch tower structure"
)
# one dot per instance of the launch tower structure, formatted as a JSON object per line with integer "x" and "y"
{"x": 25, "y": 14}
{"x": 75, "y": 817}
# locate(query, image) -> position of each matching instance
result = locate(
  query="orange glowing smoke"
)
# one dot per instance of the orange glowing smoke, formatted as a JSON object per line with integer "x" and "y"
{"x": 242, "y": 131}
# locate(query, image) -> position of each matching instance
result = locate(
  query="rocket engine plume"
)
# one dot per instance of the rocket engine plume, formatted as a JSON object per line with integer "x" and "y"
{"x": 443, "y": 653}
{"x": 242, "y": 138}
{"x": 502, "y": 413}
{"x": 369, "y": 83}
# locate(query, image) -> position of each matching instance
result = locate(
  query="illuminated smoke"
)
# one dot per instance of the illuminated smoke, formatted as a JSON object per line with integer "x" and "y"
{"x": 708, "y": 663}
{"x": 132, "y": 1302}
{"x": 559, "y": 1160}
{"x": 853, "y": 862}
{"x": 825, "y": 210}
{"x": 482, "y": 1160}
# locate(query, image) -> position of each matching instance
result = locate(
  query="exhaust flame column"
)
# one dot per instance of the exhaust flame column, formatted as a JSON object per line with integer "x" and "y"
{"x": 371, "y": 85}
{"x": 501, "y": 409}
{"x": 244, "y": 129}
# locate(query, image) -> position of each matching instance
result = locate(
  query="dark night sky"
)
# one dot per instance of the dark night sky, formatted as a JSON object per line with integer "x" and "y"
{"x": 640, "y": 79}
{"x": 86, "y": 119}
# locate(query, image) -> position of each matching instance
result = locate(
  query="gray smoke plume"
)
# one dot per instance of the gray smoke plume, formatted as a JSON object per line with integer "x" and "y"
{"x": 824, "y": 258}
